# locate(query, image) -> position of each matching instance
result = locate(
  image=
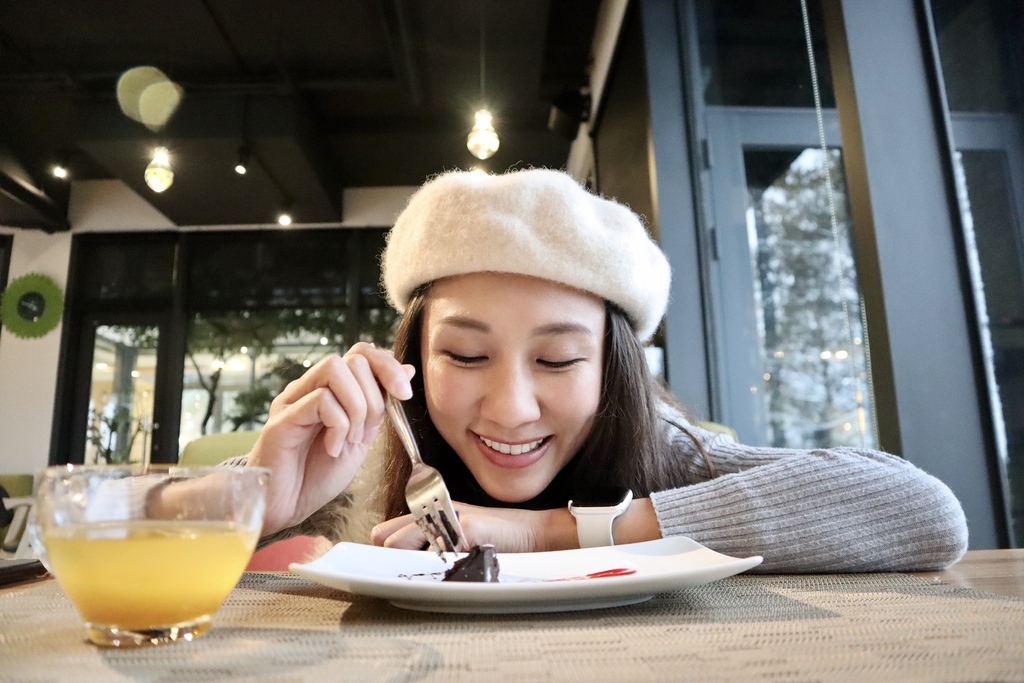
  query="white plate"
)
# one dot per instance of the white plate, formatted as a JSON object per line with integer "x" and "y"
{"x": 528, "y": 582}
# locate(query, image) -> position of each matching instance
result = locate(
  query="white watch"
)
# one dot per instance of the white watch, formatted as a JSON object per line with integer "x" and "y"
{"x": 594, "y": 522}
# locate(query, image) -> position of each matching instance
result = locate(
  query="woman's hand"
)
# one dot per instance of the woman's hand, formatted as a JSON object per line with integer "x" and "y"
{"x": 320, "y": 429}
{"x": 510, "y": 530}
{"x": 513, "y": 530}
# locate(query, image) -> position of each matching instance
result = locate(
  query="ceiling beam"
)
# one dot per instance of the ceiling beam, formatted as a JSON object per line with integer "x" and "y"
{"x": 397, "y": 36}
{"x": 33, "y": 207}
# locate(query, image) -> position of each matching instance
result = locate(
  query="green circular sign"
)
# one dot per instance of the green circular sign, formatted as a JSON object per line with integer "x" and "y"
{"x": 31, "y": 305}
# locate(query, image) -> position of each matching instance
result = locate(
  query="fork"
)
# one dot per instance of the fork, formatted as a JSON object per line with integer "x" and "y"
{"x": 426, "y": 494}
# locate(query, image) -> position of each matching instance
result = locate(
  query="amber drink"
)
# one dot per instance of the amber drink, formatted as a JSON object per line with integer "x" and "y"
{"x": 148, "y": 556}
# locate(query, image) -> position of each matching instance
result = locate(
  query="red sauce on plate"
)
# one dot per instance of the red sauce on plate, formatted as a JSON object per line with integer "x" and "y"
{"x": 618, "y": 571}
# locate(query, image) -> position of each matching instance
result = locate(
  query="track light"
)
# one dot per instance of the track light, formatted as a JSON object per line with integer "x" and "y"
{"x": 242, "y": 165}
{"x": 159, "y": 175}
{"x": 284, "y": 216}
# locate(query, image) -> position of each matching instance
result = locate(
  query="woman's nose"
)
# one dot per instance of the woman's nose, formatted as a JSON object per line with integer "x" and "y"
{"x": 510, "y": 398}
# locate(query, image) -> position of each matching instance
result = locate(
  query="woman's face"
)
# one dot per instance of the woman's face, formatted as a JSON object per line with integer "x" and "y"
{"x": 512, "y": 371}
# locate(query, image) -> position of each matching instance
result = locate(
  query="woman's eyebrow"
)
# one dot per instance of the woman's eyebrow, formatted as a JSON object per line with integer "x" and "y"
{"x": 563, "y": 328}
{"x": 551, "y": 329}
{"x": 464, "y": 322}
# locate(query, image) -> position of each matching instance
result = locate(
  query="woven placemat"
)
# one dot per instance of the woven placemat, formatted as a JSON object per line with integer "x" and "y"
{"x": 279, "y": 627}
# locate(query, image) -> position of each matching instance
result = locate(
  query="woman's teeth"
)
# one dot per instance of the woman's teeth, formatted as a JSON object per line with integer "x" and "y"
{"x": 512, "y": 449}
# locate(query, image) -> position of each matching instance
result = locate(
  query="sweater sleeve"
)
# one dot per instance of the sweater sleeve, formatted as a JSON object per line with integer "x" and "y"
{"x": 830, "y": 510}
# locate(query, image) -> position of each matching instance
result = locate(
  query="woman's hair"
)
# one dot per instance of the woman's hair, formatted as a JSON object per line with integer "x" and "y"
{"x": 626, "y": 446}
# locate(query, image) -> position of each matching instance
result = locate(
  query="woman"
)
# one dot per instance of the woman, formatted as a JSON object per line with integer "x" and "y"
{"x": 526, "y": 301}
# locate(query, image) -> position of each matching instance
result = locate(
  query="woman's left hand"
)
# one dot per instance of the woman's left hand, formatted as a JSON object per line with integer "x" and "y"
{"x": 510, "y": 530}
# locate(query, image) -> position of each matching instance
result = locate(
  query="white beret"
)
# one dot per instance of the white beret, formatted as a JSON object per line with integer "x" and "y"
{"x": 535, "y": 222}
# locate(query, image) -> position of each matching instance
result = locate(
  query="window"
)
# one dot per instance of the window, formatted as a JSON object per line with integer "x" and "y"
{"x": 5, "y": 258}
{"x": 792, "y": 366}
{"x": 155, "y": 366}
{"x": 982, "y": 64}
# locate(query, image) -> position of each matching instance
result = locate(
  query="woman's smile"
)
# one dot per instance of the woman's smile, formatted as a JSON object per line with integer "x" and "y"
{"x": 513, "y": 455}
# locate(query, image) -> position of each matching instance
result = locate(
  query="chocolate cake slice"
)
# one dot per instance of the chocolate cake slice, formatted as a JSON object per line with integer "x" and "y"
{"x": 480, "y": 564}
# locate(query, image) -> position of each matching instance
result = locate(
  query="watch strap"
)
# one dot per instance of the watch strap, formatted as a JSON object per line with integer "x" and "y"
{"x": 594, "y": 524}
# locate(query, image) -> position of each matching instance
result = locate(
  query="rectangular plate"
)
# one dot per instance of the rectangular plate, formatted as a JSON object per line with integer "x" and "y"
{"x": 556, "y": 581}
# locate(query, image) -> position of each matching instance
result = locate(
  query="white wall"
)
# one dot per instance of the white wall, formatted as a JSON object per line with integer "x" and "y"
{"x": 28, "y": 367}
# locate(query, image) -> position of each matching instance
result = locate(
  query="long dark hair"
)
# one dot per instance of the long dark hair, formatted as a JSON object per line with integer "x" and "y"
{"x": 626, "y": 446}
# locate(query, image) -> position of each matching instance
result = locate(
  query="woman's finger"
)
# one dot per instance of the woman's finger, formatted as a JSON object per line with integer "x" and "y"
{"x": 373, "y": 412}
{"x": 387, "y": 371}
{"x": 320, "y": 407}
{"x": 333, "y": 372}
{"x": 408, "y": 537}
{"x": 382, "y": 531}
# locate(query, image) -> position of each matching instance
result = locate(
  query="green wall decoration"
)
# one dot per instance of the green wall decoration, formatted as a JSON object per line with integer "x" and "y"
{"x": 31, "y": 305}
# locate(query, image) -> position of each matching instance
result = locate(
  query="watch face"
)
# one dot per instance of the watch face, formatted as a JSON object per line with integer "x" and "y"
{"x": 607, "y": 496}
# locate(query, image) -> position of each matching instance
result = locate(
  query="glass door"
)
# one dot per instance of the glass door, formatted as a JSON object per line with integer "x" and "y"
{"x": 793, "y": 366}
{"x": 119, "y": 424}
{"x": 978, "y": 47}
{"x": 117, "y": 393}
{"x": 989, "y": 167}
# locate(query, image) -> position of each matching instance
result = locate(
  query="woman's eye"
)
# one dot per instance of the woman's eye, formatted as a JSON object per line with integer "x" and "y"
{"x": 465, "y": 360}
{"x": 558, "y": 364}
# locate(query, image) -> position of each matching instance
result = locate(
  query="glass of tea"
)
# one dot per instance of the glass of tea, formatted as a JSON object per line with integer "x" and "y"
{"x": 148, "y": 554}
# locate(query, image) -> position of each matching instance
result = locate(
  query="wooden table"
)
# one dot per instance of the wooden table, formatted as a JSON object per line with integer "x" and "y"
{"x": 962, "y": 624}
{"x": 995, "y": 571}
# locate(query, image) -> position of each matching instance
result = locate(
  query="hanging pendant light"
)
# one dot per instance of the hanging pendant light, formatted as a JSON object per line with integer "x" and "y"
{"x": 482, "y": 141}
{"x": 159, "y": 175}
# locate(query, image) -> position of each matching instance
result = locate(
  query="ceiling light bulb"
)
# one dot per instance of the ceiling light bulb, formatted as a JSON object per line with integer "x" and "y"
{"x": 60, "y": 171}
{"x": 284, "y": 218}
{"x": 159, "y": 175}
{"x": 483, "y": 140}
{"x": 240, "y": 168}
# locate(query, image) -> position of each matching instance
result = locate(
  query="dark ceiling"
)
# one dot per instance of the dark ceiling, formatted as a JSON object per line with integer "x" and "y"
{"x": 328, "y": 94}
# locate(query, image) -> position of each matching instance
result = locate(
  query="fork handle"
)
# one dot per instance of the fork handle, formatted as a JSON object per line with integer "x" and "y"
{"x": 401, "y": 424}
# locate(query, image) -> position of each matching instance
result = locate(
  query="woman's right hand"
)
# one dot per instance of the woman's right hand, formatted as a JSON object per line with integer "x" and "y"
{"x": 321, "y": 427}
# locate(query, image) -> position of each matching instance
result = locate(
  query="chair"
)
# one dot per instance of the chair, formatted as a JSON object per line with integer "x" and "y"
{"x": 213, "y": 449}
{"x": 719, "y": 428}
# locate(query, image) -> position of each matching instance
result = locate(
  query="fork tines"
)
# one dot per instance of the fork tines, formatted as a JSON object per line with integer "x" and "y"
{"x": 437, "y": 527}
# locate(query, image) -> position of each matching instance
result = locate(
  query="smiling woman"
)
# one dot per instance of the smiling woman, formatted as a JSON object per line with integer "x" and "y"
{"x": 526, "y": 301}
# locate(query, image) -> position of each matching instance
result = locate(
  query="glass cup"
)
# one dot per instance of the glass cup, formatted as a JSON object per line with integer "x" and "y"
{"x": 148, "y": 554}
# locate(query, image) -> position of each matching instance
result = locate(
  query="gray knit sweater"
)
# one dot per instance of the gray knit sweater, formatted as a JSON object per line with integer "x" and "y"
{"x": 831, "y": 510}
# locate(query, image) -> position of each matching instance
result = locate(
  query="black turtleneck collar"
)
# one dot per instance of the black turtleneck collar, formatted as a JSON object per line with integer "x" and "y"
{"x": 465, "y": 489}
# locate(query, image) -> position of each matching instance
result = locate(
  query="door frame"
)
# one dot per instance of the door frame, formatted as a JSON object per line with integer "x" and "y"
{"x": 731, "y": 131}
